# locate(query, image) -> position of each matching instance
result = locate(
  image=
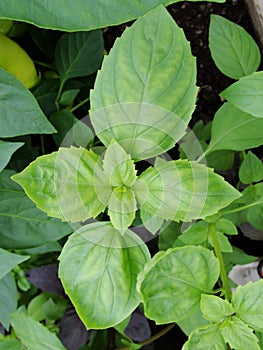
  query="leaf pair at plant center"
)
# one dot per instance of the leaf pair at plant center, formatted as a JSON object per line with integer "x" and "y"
{"x": 75, "y": 184}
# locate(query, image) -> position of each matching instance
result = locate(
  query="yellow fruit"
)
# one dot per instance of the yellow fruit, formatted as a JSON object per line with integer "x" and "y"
{"x": 16, "y": 61}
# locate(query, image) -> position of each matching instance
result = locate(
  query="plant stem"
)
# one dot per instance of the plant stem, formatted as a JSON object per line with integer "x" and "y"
{"x": 80, "y": 104}
{"x": 236, "y": 210}
{"x": 59, "y": 93}
{"x": 223, "y": 275}
{"x": 154, "y": 337}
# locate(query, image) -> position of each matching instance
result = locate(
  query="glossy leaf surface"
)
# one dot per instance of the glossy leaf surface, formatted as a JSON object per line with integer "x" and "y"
{"x": 234, "y": 51}
{"x": 234, "y": 129}
{"x": 8, "y": 298}
{"x": 78, "y": 54}
{"x": 9, "y": 261}
{"x": 103, "y": 289}
{"x": 70, "y": 18}
{"x": 182, "y": 190}
{"x": 33, "y": 335}
{"x": 24, "y": 116}
{"x": 64, "y": 184}
{"x": 247, "y": 94}
{"x": 22, "y": 225}
{"x": 173, "y": 281}
{"x": 129, "y": 103}
{"x": 6, "y": 151}
{"x": 247, "y": 304}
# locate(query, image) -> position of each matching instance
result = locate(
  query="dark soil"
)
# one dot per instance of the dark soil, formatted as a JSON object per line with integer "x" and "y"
{"x": 194, "y": 18}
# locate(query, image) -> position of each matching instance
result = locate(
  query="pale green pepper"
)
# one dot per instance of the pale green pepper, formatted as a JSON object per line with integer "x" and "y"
{"x": 16, "y": 61}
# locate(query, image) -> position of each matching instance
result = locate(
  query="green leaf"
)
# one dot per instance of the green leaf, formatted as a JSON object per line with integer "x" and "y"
{"x": 46, "y": 94}
{"x": 239, "y": 336}
{"x": 6, "y": 151}
{"x": 118, "y": 166}
{"x": 182, "y": 190}
{"x": 194, "y": 321}
{"x": 172, "y": 283}
{"x": 105, "y": 271}
{"x": 254, "y": 214}
{"x": 260, "y": 338}
{"x": 9, "y": 261}
{"x": 247, "y": 304}
{"x": 251, "y": 169}
{"x": 206, "y": 337}
{"x": 70, "y": 130}
{"x": 215, "y": 309}
{"x": 11, "y": 344}
{"x": 223, "y": 241}
{"x": 247, "y": 94}
{"x": 122, "y": 208}
{"x": 20, "y": 113}
{"x": 68, "y": 184}
{"x": 238, "y": 257}
{"x": 68, "y": 96}
{"x": 35, "y": 307}
{"x": 219, "y": 160}
{"x": 8, "y": 298}
{"x": 168, "y": 236}
{"x": 233, "y": 50}
{"x": 79, "y": 54}
{"x": 129, "y": 104}
{"x": 233, "y": 129}
{"x": 54, "y": 310}
{"x": 151, "y": 222}
{"x": 33, "y": 335}
{"x": 70, "y": 17}
{"x": 196, "y": 234}
{"x": 22, "y": 225}
{"x": 226, "y": 226}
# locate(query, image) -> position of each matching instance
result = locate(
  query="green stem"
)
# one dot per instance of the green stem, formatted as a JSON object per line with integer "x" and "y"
{"x": 154, "y": 337}
{"x": 80, "y": 104}
{"x": 244, "y": 207}
{"x": 59, "y": 93}
{"x": 223, "y": 275}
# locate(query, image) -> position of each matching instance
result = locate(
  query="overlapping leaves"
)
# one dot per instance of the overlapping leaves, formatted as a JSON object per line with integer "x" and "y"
{"x": 103, "y": 289}
{"x": 188, "y": 272}
{"x": 175, "y": 190}
{"x": 231, "y": 323}
{"x": 66, "y": 15}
